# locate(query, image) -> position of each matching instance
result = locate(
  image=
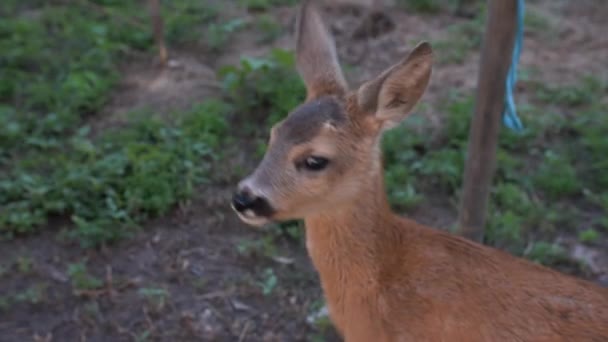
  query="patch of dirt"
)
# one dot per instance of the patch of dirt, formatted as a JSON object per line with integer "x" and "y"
{"x": 182, "y": 278}
{"x": 187, "y": 79}
{"x": 208, "y": 290}
{"x": 570, "y": 47}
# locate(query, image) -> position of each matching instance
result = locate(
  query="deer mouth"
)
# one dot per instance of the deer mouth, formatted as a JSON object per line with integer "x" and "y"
{"x": 251, "y": 218}
{"x": 252, "y": 209}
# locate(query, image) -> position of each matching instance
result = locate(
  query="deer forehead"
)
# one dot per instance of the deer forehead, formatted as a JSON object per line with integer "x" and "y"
{"x": 308, "y": 121}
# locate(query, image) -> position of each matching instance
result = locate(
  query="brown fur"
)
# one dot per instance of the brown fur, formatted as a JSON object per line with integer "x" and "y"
{"x": 387, "y": 278}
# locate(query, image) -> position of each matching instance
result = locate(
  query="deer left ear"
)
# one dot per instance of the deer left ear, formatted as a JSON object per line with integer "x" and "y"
{"x": 393, "y": 94}
{"x": 316, "y": 57}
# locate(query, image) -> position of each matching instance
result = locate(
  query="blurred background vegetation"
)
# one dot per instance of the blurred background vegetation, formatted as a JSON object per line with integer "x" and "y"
{"x": 62, "y": 62}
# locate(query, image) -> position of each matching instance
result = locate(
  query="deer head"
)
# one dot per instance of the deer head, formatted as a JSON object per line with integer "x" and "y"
{"x": 325, "y": 149}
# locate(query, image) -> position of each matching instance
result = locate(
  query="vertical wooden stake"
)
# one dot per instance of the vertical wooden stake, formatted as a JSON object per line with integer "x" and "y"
{"x": 158, "y": 28}
{"x": 480, "y": 166}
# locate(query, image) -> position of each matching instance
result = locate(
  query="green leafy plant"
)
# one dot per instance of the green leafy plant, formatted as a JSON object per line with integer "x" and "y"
{"x": 591, "y": 125}
{"x": 588, "y": 236}
{"x": 536, "y": 22}
{"x": 556, "y": 176}
{"x": 81, "y": 278}
{"x": 264, "y": 246}
{"x": 58, "y": 68}
{"x": 400, "y": 155}
{"x": 34, "y": 294}
{"x": 423, "y": 6}
{"x": 109, "y": 185}
{"x": 24, "y": 264}
{"x": 269, "y": 28}
{"x": 546, "y": 253}
{"x": 262, "y": 5}
{"x": 269, "y": 281}
{"x": 580, "y": 94}
{"x": 509, "y": 195}
{"x": 156, "y": 297}
{"x": 512, "y": 215}
{"x": 266, "y": 88}
{"x": 5, "y": 303}
{"x": 504, "y": 230}
{"x": 218, "y": 34}
{"x": 319, "y": 317}
{"x": 462, "y": 38}
{"x": 181, "y": 16}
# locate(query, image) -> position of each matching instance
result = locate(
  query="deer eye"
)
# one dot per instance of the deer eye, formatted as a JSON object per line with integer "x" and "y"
{"x": 313, "y": 163}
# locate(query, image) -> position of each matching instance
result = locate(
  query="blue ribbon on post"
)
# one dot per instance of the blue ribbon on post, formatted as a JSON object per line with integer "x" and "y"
{"x": 510, "y": 117}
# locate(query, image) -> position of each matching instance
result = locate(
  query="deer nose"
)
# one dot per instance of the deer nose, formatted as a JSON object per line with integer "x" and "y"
{"x": 244, "y": 200}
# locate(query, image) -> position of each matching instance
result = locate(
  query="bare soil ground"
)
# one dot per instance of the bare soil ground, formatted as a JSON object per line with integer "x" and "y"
{"x": 205, "y": 289}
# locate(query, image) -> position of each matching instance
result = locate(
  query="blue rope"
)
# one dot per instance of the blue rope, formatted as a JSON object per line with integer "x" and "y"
{"x": 510, "y": 118}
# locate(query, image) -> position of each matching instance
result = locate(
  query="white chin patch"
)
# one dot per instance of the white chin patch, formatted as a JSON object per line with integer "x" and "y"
{"x": 251, "y": 219}
{"x": 249, "y": 214}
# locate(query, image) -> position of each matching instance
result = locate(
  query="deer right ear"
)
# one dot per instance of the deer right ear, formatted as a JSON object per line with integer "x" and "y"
{"x": 316, "y": 57}
{"x": 393, "y": 94}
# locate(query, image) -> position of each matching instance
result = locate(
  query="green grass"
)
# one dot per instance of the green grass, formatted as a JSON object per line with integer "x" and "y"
{"x": 182, "y": 16}
{"x": 462, "y": 39}
{"x": 108, "y": 185}
{"x": 219, "y": 34}
{"x": 537, "y": 22}
{"x": 584, "y": 93}
{"x": 588, "y": 236}
{"x": 80, "y": 277}
{"x": 24, "y": 264}
{"x": 266, "y": 88}
{"x": 263, "y": 5}
{"x": 427, "y": 6}
{"x": 33, "y": 294}
{"x": 268, "y": 282}
{"x": 269, "y": 28}
{"x": 546, "y": 253}
{"x": 542, "y": 173}
{"x": 556, "y": 176}
{"x": 58, "y": 68}
{"x": 155, "y": 297}
{"x": 412, "y": 161}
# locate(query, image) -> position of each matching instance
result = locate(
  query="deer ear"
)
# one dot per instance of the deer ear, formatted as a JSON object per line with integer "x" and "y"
{"x": 316, "y": 57}
{"x": 393, "y": 94}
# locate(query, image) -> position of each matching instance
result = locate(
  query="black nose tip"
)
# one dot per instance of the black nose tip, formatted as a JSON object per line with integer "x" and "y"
{"x": 243, "y": 200}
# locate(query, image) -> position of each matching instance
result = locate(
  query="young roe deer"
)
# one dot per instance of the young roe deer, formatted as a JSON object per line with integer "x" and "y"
{"x": 386, "y": 278}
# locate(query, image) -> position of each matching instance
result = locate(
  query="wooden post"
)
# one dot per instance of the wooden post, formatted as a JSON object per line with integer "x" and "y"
{"x": 158, "y": 29}
{"x": 480, "y": 166}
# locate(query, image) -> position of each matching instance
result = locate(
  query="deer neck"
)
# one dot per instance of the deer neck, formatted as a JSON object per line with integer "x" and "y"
{"x": 349, "y": 242}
